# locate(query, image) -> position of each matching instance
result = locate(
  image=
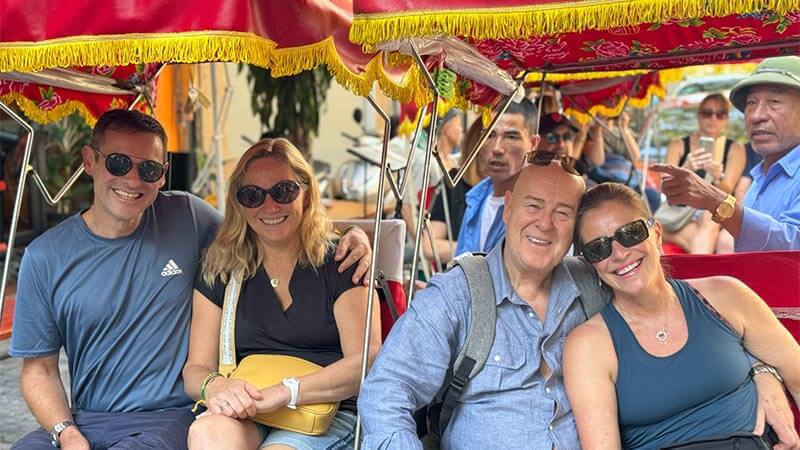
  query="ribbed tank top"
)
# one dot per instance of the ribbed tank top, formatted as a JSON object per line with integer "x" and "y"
{"x": 702, "y": 390}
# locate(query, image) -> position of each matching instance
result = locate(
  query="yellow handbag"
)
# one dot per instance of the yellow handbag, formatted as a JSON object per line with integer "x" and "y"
{"x": 266, "y": 370}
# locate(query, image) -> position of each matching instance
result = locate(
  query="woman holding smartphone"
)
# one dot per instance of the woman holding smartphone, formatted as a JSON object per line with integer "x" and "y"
{"x": 696, "y": 152}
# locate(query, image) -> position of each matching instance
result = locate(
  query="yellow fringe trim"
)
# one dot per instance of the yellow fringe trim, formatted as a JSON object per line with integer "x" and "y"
{"x": 546, "y": 19}
{"x": 195, "y": 47}
{"x": 536, "y": 77}
{"x": 603, "y": 110}
{"x": 38, "y": 115}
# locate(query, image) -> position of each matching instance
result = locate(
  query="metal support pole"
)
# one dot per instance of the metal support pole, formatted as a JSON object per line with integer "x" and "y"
{"x": 447, "y": 222}
{"x": 23, "y": 177}
{"x": 375, "y": 249}
{"x": 426, "y": 171}
{"x": 399, "y": 189}
{"x": 430, "y": 238}
{"x": 216, "y": 145}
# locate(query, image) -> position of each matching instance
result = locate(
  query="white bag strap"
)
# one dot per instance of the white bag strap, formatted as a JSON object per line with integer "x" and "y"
{"x": 227, "y": 326}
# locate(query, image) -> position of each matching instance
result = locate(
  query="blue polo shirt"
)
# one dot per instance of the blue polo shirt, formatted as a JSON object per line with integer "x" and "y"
{"x": 469, "y": 237}
{"x": 771, "y": 219}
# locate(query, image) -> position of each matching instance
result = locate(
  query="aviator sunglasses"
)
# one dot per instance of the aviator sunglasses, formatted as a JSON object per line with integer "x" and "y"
{"x": 119, "y": 164}
{"x": 283, "y": 192}
{"x": 627, "y": 235}
{"x": 544, "y": 158}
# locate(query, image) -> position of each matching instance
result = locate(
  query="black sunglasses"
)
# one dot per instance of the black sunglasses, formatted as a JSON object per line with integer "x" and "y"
{"x": 707, "y": 113}
{"x": 119, "y": 164}
{"x": 283, "y": 192}
{"x": 555, "y": 138}
{"x": 627, "y": 235}
{"x": 544, "y": 158}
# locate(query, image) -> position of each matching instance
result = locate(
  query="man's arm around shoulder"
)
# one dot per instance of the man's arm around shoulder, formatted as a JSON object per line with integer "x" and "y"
{"x": 410, "y": 370}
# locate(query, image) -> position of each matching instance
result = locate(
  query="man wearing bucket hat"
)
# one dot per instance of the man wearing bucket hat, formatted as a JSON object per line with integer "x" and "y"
{"x": 769, "y": 216}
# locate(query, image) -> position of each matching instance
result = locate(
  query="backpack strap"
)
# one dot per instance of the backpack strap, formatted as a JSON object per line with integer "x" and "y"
{"x": 593, "y": 296}
{"x": 480, "y": 335}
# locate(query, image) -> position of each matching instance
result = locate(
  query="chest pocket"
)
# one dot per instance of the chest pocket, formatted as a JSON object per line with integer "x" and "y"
{"x": 500, "y": 373}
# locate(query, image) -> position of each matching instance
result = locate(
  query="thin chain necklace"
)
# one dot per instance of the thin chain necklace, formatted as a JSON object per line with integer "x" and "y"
{"x": 662, "y": 334}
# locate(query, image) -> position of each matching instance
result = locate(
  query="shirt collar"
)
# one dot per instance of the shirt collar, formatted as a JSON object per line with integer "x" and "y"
{"x": 480, "y": 191}
{"x": 561, "y": 283}
{"x": 790, "y": 163}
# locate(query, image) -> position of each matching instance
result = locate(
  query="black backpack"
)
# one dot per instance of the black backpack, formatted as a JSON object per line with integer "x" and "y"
{"x": 480, "y": 336}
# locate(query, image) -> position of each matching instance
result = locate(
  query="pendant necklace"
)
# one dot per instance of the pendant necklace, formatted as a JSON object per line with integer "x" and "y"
{"x": 662, "y": 334}
{"x": 274, "y": 282}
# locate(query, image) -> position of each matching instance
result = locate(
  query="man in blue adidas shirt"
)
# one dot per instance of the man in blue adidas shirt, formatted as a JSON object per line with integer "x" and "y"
{"x": 112, "y": 286}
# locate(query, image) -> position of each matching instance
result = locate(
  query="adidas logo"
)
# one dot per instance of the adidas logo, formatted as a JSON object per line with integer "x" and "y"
{"x": 171, "y": 269}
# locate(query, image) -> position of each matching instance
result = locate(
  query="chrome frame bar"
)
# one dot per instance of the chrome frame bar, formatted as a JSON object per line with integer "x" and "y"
{"x": 23, "y": 177}
{"x": 375, "y": 249}
{"x": 426, "y": 172}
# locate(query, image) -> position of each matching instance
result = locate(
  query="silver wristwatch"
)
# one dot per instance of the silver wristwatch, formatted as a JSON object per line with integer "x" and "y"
{"x": 55, "y": 434}
{"x": 765, "y": 368}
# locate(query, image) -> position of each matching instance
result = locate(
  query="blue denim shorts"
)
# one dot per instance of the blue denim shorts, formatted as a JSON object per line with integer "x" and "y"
{"x": 340, "y": 435}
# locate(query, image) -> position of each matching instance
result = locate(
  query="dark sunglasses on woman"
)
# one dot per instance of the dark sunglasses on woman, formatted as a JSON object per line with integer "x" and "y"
{"x": 545, "y": 158}
{"x": 555, "y": 138}
{"x": 707, "y": 113}
{"x": 627, "y": 235}
{"x": 119, "y": 164}
{"x": 283, "y": 192}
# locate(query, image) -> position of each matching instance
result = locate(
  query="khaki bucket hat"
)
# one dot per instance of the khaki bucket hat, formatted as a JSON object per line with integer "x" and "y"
{"x": 782, "y": 70}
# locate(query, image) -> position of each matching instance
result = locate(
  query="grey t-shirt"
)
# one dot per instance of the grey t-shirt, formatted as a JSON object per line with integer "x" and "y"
{"x": 120, "y": 307}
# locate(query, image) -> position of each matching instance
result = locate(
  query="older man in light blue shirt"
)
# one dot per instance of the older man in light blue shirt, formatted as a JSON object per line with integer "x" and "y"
{"x": 769, "y": 217}
{"x": 518, "y": 399}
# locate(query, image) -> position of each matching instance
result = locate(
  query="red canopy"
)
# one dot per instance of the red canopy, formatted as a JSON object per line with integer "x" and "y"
{"x": 286, "y": 37}
{"x": 589, "y": 35}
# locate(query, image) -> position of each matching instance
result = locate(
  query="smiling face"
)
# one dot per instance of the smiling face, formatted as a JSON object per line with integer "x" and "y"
{"x": 120, "y": 201}
{"x": 628, "y": 271}
{"x": 504, "y": 152}
{"x": 274, "y": 224}
{"x": 772, "y": 120}
{"x": 540, "y": 218}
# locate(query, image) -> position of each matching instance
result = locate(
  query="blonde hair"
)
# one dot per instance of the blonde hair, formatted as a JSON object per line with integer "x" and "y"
{"x": 235, "y": 246}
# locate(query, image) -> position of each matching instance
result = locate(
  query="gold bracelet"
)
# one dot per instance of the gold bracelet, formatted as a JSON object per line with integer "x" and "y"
{"x": 208, "y": 379}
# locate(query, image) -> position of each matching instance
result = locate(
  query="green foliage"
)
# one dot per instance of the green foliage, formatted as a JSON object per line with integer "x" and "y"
{"x": 65, "y": 139}
{"x": 291, "y": 105}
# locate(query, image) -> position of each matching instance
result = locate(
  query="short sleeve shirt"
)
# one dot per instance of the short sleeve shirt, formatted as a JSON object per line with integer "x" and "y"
{"x": 120, "y": 307}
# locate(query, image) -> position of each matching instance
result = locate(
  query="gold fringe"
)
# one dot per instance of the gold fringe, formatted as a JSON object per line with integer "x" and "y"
{"x": 38, "y": 115}
{"x": 603, "y": 110}
{"x": 547, "y": 19}
{"x": 536, "y": 77}
{"x": 194, "y": 47}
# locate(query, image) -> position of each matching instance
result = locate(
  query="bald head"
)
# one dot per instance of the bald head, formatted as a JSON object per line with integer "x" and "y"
{"x": 540, "y": 218}
{"x": 535, "y": 178}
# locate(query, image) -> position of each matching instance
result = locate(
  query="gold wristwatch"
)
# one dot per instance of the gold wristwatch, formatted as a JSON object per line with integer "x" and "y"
{"x": 724, "y": 210}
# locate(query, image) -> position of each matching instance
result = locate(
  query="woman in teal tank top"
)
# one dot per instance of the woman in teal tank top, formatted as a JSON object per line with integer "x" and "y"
{"x": 666, "y": 361}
